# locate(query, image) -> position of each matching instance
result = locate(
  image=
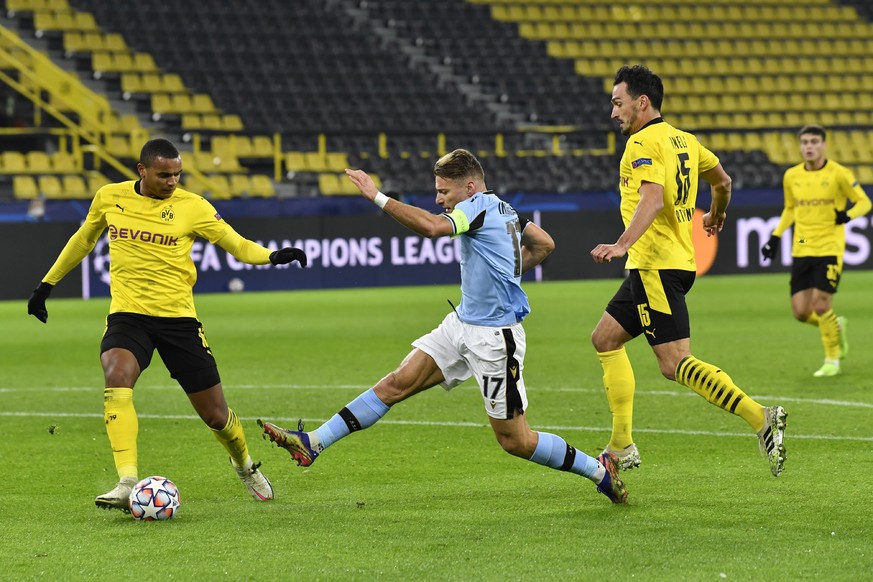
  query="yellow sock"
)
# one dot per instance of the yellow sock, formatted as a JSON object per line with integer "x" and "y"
{"x": 813, "y": 319}
{"x": 830, "y": 334}
{"x": 618, "y": 379}
{"x": 122, "y": 427}
{"x": 718, "y": 389}
{"x": 233, "y": 439}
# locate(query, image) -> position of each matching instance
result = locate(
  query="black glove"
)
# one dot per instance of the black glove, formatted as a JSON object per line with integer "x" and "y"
{"x": 288, "y": 255}
{"x": 36, "y": 303}
{"x": 771, "y": 247}
{"x": 842, "y": 216}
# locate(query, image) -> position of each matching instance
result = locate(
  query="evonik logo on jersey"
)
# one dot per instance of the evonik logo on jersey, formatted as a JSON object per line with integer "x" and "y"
{"x": 166, "y": 240}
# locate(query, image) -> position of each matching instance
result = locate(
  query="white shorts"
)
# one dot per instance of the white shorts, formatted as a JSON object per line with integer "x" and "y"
{"x": 494, "y": 355}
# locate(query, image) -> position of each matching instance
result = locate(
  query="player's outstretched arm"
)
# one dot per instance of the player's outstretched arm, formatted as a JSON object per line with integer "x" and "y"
{"x": 36, "y": 303}
{"x": 414, "y": 218}
{"x": 254, "y": 254}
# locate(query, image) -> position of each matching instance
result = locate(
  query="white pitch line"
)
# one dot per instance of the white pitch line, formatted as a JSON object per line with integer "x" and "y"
{"x": 446, "y": 423}
{"x": 360, "y": 387}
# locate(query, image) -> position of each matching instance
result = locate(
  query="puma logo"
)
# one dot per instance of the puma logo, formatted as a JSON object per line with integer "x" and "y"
{"x": 117, "y": 206}
{"x": 651, "y": 333}
{"x": 638, "y": 142}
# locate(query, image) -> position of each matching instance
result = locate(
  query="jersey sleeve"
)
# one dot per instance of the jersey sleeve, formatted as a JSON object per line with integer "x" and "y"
{"x": 647, "y": 162}
{"x": 708, "y": 160}
{"x": 81, "y": 243}
{"x": 860, "y": 201}
{"x": 208, "y": 223}
{"x": 787, "y": 217}
{"x": 243, "y": 249}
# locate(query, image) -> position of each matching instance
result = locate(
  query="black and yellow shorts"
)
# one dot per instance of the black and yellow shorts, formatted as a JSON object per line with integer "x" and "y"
{"x": 179, "y": 340}
{"x": 653, "y": 302}
{"x": 816, "y": 273}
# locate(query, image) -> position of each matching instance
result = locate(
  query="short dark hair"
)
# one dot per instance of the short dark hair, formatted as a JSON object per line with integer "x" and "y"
{"x": 458, "y": 164}
{"x": 814, "y": 130}
{"x": 157, "y": 148}
{"x": 641, "y": 81}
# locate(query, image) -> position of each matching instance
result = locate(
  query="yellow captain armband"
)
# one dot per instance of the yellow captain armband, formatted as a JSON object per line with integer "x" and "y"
{"x": 459, "y": 220}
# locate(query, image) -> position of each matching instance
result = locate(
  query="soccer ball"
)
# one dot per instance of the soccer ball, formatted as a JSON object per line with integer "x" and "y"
{"x": 154, "y": 498}
{"x": 236, "y": 285}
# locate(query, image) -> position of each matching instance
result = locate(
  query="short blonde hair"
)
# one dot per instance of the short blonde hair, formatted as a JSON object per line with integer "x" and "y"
{"x": 457, "y": 165}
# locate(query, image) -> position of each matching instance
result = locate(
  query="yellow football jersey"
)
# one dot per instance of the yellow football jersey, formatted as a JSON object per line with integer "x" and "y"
{"x": 811, "y": 199}
{"x": 664, "y": 155}
{"x": 150, "y": 242}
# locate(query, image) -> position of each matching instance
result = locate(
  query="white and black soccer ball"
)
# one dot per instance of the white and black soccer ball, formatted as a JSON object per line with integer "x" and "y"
{"x": 236, "y": 285}
{"x": 154, "y": 498}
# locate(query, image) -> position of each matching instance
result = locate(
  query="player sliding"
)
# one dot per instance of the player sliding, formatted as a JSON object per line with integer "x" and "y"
{"x": 483, "y": 337}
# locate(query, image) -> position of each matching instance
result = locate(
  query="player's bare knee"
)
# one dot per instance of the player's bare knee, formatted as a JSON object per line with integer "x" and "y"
{"x": 215, "y": 418}
{"x": 603, "y": 343}
{"x": 390, "y": 390}
{"x": 511, "y": 445}
{"x": 118, "y": 377}
{"x": 802, "y": 315}
{"x": 517, "y": 445}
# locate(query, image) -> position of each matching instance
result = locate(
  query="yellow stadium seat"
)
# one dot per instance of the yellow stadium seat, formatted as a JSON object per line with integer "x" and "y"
{"x": 240, "y": 185}
{"x": 336, "y": 161}
{"x": 262, "y": 186}
{"x": 202, "y": 103}
{"x": 242, "y": 145}
{"x": 74, "y": 187}
{"x": 63, "y": 162}
{"x": 295, "y": 162}
{"x": 865, "y": 174}
{"x": 191, "y": 121}
{"x": 24, "y": 188}
{"x": 113, "y": 41}
{"x": 232, "y": 122}
{"x": 50, "y": 187}
{"x": 181, "y": 103}
{"x": 315, "y": 162}
{"x": 101, "y": 62}
{"x": 193, "y": 184}
{"x": 38, "y": 162}
{"x": 262, "y": 146}
{"x": 221, "y": 191}
{"x": 328, "y": 184}
{"x": 211, "y": 121}
{"x": 144, "y": 62}
{"x": 13, "y": 162}
{"x": 84, "y": 21}
{"x": 161, "y": 103}
{"x": 96, "y": 180}
{"x": 123, "y": 63}
{"x": 172, "y": 83}
{"x": 132, "y": 83}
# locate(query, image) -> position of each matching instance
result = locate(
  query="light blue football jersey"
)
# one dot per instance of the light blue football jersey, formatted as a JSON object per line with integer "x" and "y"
{"x": 490, "y": 232}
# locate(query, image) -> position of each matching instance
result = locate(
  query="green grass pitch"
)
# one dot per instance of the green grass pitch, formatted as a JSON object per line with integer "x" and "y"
{"x": 427, "y": 493}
